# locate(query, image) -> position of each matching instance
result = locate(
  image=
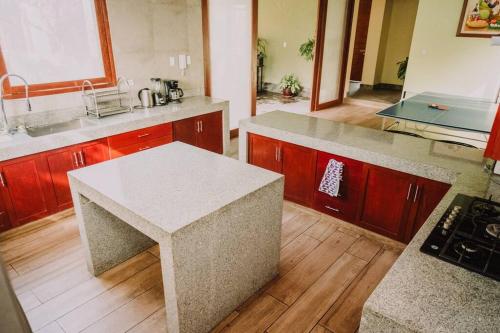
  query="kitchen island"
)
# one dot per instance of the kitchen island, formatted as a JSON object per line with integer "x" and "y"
{"x": 420, "y": 293}
{"x": 217, "y": 222}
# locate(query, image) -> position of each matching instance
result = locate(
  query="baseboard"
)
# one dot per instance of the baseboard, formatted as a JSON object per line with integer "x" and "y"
{"x": 233, "y": 133}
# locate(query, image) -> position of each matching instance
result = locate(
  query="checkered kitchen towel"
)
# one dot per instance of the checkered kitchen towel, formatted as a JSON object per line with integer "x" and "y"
{"x": 332, "y": 177}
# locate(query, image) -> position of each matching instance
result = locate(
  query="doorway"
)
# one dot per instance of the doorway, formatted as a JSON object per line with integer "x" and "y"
{"x": 379, "y": 50}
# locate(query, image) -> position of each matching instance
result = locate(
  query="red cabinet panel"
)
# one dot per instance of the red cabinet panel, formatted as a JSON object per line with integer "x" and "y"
{"x": 493, "y": 147}
{"x": 24, "y": 189}
{"x": 386, "y": 200}
{"x": 210, "y": 132}
{"x": 140, "y": 136}
{"x": 4, "y": 216}
{"x": 185, "y": 130}
{"x": 264, "y": 152}
{"x": 61, "y": 161}
{"x": 345, "y": 206}
{"x": 299, "y": 169}
{"x": 118, "y": 152}
{"x": 427, "y": 195}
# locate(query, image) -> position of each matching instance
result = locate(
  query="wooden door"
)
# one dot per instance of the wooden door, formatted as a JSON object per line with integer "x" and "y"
{"x": 345, "y": 205}
{"x": 185, "y": 130}
{"x": 25, "y": 189}
{"x": 263, "y": 152}
{"x": 299, "y": 167}
{"x": 428, "y": 193}
{"x": 93, "y": 152}
{"x": 60, "y": 162}
{"x": 386, "y": 200}
{"x": 209, "y": 131}
{"x": 358, "y": 55}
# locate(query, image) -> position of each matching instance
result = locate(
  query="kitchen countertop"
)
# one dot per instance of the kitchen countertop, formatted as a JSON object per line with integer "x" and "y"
{"x": 184, "y": 183}
{"x": 21, "y": 144}
{"x": 420, "y": 293}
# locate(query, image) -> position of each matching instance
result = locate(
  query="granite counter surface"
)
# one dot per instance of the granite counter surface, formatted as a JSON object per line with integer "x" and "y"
{"x": 419, "y": 293}
{"x": 21, "y": 144}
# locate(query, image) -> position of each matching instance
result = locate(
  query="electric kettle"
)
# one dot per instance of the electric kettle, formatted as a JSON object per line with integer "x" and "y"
{"x": 145, "y": 97}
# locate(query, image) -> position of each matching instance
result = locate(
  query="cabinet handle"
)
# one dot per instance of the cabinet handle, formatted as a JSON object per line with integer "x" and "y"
{"x": 276, "y": 154}
{"x": 409, "y": 192}
{"x": 334, "y": 209}
{"x": 416, "y": 195}
{"x": 2, "y": 180}
{"x": 279, "y": 154}
{"x": 197, "y": 127}
{"x": 75, "y": 160}
{"x": 144, "y": 148}
{"x": 201, "y": 125}
{"x": 143, "y": 135}
{"x": 82, "y": 161}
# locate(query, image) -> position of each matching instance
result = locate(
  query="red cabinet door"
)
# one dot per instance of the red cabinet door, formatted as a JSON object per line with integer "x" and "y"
{"x": 93, "y": 152}
{"x": 345, "y": 205}
{"x": 299, "y": 168}
{"x": 209, "y": 131}
{"x": 264, "y": 152}
{"x": 60, "y": 162}
{"x": 427, "y": 195}
{"x": 386, "y": 200}
{"x": 24, "y": 189}
{"x": 4, "y": 216}
{"x": 185, "y": 130}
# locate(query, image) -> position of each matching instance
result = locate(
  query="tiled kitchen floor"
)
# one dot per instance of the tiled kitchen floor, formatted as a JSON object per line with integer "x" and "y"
{"x": 327, "y": 270}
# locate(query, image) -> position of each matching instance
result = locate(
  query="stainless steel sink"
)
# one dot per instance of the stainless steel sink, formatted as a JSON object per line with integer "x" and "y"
{"x": 59, "y": 127}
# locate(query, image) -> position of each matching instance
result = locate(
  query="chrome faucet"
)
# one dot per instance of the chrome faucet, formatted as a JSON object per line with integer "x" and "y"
{"x": 5, "y": 129}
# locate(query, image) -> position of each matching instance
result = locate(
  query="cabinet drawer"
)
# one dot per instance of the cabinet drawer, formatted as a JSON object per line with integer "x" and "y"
{"x": 140, "y": 136}
{"x": 121, "y": 151}
{"x": 345, "y": 206}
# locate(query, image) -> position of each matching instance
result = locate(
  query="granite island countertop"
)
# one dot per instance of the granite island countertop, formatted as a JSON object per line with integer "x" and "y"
{"x": 21, "y": 144}
{"x": 420, "y": 293}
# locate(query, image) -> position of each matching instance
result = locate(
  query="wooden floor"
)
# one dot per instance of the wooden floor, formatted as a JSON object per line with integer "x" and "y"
{"x": 328, "y": 268}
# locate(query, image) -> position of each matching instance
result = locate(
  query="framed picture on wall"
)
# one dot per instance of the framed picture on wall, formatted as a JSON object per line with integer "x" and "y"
{"x": 479, "y": 18}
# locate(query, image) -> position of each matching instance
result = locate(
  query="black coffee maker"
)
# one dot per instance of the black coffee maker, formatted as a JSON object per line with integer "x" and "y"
{"x": 174, "y": 92}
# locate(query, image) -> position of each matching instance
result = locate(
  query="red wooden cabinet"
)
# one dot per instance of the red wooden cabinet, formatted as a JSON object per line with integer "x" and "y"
{"x": 210, "y": 132}
{"x": 203, "y": 131}
{"x": 299, "y": 169}
{"x": 296, "y": 163}
{"x": 25, "y": 190}
{"x": 428, "y": 193}
{"x": 263, "y": 152}
{"x": 493, "y": 147}
{"x": 344, "y": 206}
{"x": 386, "y": 200}
{"x": 63, "y": 160}
{"x": 4, "y": 216}
{"x": 138, "y": 140}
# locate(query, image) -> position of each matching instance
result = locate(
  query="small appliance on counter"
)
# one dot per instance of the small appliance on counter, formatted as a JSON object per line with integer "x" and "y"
{"x": 468, "y": 235}
{"x": 145, "y": 98}
{"x": 174, "y": 92}
{"x": 159, "y": 92}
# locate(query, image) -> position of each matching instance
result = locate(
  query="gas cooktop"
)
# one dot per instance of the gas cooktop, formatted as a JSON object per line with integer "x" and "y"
{"x": 468, "y": 235}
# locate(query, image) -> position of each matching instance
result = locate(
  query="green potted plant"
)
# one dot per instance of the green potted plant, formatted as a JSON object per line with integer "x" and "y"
{"x": 402, "y": 69}
{"x": 306, "y": 50}
{"x": 290, "y": 85}
{"x": 261, "y": 50}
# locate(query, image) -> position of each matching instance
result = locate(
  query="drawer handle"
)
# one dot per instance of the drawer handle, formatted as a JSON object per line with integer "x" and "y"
{"x": 2, "y": 180}
{"x": 334, "y": 209}
{"x": 75, "y": 160}
{"x": 143, "y": 135}
{"x": 144, "y": 148}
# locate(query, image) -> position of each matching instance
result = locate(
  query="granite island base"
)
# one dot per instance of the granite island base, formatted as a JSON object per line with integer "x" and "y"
{"x": 219, "y": 237}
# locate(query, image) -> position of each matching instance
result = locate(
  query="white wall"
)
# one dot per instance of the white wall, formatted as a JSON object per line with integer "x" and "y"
{"x": 144, "y": 34}
{"x": 441, "y": 62}
{"x": 230, "y": 55}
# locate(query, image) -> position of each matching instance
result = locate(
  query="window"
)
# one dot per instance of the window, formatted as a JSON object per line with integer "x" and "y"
{"x": 55, "y": 45}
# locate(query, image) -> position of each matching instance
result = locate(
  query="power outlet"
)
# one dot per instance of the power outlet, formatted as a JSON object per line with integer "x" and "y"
{"x": 130, "y": 82}
{"x": 172, "y": 61}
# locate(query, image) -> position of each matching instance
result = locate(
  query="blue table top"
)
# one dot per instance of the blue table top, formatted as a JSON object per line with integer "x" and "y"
{"x": 464, "y": 113}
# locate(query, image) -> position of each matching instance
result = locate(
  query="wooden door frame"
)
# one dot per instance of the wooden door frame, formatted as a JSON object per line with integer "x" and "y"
{"x": 319, "y": 50}
{"x": 206, "y": 56}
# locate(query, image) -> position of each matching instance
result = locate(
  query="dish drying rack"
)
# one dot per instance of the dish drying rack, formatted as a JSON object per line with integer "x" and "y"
{"x": 109, "y": 102}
